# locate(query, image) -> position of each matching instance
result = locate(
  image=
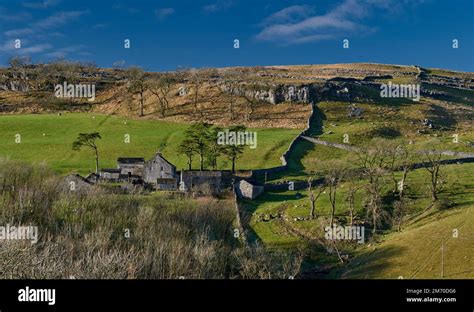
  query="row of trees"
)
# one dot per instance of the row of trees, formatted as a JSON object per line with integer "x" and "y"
{"x": 381, "y": 164}
{"x": 161, "y": 86}
{"x": 201, "y": 140}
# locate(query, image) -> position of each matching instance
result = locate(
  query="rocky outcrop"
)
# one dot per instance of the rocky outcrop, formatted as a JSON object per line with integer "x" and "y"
{"x": 275, "y": 94}
{"x": 13, "y": 83}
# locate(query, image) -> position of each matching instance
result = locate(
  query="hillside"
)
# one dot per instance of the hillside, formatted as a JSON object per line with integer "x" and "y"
{"x": 350, "y": 118}
{"x": 258, "y": 85}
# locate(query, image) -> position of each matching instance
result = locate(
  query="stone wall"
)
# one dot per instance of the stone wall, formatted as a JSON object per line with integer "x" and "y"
{"x": 291, "y": 148}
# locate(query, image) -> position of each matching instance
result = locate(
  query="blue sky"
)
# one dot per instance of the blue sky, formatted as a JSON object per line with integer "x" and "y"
{"x": 166, "y": 34}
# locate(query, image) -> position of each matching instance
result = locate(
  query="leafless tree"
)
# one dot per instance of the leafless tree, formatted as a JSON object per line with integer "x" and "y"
{"x": 433, "y": 159}
{"x": 399, "y": 214}
{"x": 399, "y": 158}
{"x": 373, "y": 161}
{"x": 350, "y": 198}
{"x": 161, "y": 88}
{"x": 137, "y": 85}
{"x": 313, "y": 196}
{"x": 335, "y": 171}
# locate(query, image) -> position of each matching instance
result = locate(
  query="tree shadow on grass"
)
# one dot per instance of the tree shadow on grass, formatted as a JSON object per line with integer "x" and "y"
{"x": 441, "y": 116}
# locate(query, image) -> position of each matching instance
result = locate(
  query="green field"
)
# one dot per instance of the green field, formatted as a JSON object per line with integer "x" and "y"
{"x": 48, "y": 138}
{"x": 415, "y": 251}
{"x": 412, "y": 253}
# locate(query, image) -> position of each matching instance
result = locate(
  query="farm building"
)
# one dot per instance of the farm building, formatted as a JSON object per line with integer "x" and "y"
{"x": 131, "y": 166}
{"x": 160, "y": 173}
{"x": 110, "y": 174}
{"x": 204, "y": 182}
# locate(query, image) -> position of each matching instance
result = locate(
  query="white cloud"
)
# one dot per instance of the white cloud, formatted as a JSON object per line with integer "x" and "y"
{"x": 14, "y": 17}
{"x": 40, "y": 31}
{"x": 18, "y": 32}
{"x": 9, "y": 47}
{"x": 289, "y": 14}
{"x": 164, "y": 13}
{"x": 217, "y": 6}
{"x": 39, "y": 48}
{"x": 40, "y": 4}
{"x": 299, "y": 24}
{"x": 50, "y": 22}
{"x": 59, "y": 19}
{"x": 64, "y": 52}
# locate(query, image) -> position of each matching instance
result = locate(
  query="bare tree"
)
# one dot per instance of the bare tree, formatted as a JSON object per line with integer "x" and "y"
{"x": 196, "y": 79}
{"x": 405, "y": 165}
{"x": 313, "y": 196}
{"x": 335, "y": 171}
{"x": 399, "y": 158}
{"x": 350, "y": 198}
{"x": 161, "y": 88}
{"x": 373, "y": 161}
{"x": 433, "y": 159}
{"x": 137, "y": 84}
{"x": 399, "y": 208}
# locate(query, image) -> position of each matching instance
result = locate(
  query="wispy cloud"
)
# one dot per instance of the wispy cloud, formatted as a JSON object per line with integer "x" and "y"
{"x": 100, "y": 26}
{"x": 9, "y": 47}
{"x": 18, "y": 32}
{"x": 40, "y": 4}
{"x": 64, "y": 52}
{"x": 299, "y": 24}
{"x": 14, "y": 17}
{"x": 119, "y": 6}
{"x": 290, "y": 14}
{"x": 220, "y": 5}
{"x": 50, "y": 22}
{"x": 164, "y": 13}
{"x": 34, "y": 36}
{"x": 59, "y": 19}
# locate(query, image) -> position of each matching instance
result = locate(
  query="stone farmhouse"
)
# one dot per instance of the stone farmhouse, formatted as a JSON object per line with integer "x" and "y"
{"x": 159, "y": 174}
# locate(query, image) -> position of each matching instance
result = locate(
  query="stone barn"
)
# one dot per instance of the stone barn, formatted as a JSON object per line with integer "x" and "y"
{"x": 131, "y": 166}
{"x": 245, "y": 189}
{"x": 110, "y": 174}
{"x": 160, "y": 173}
{"x": 201, "y": 182}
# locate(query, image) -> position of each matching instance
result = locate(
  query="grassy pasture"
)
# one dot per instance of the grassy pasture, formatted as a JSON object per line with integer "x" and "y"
{"x": 48, "y": 138}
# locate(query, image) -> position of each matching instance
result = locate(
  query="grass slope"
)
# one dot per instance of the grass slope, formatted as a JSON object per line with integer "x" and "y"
{"x": 48, "y": 137}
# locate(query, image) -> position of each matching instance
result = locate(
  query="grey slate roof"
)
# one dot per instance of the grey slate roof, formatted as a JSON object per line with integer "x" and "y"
{"x": 130, "y": 160}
